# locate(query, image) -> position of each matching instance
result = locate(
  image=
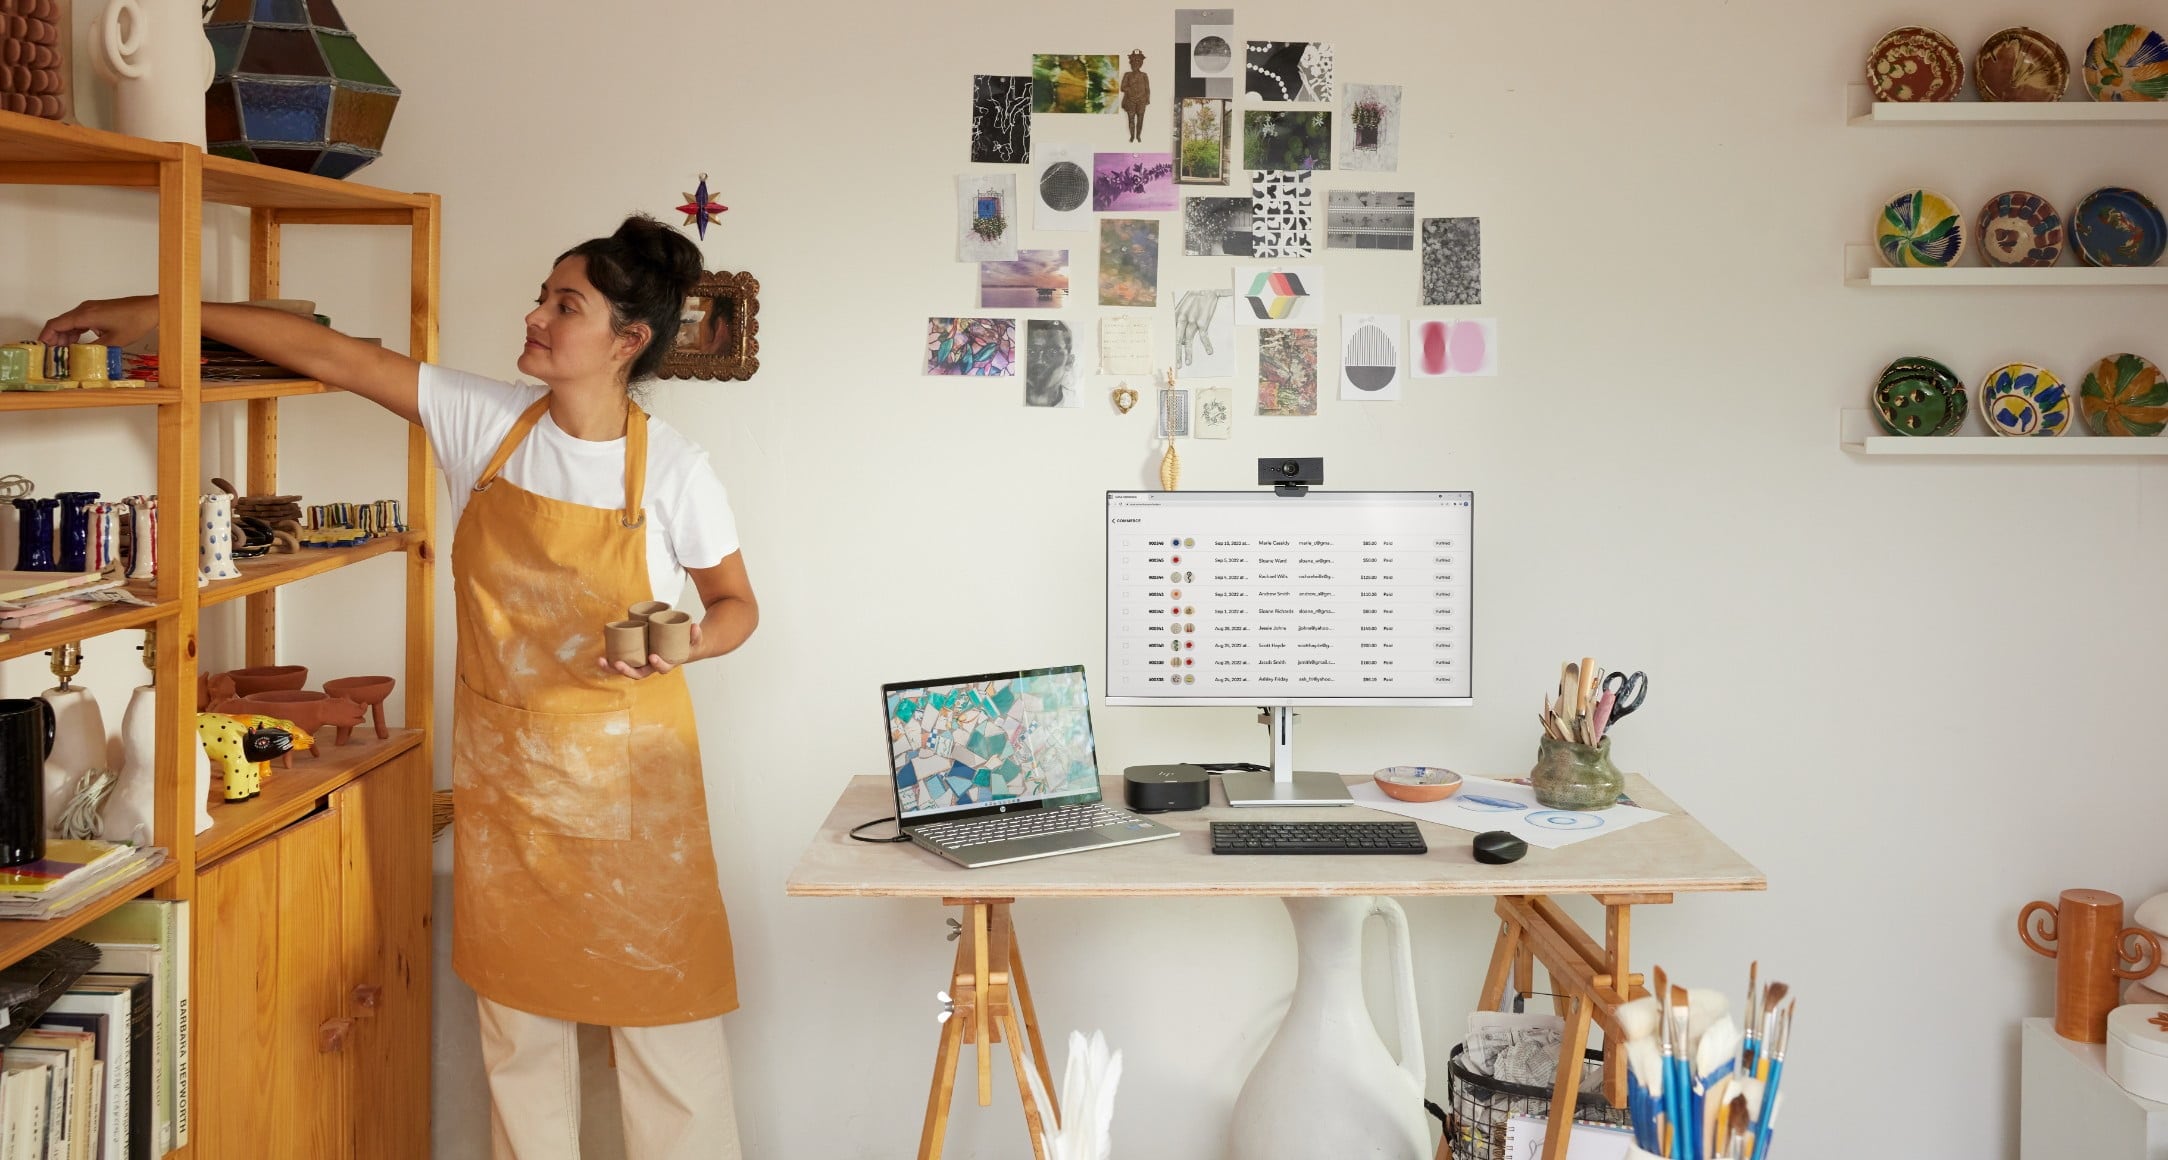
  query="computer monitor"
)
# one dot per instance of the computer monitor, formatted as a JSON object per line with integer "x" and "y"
{"x": 1320, "y": 598}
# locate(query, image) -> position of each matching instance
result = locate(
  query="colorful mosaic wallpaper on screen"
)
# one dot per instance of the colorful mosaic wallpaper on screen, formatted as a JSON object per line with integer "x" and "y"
{"x": 989, "y": 742}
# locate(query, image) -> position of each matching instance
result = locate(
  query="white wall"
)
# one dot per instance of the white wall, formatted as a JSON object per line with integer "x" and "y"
{"x": 1915, "y": 695}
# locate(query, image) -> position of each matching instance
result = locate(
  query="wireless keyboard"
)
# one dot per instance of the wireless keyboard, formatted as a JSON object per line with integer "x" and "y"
{"x": 1317, "y": 838}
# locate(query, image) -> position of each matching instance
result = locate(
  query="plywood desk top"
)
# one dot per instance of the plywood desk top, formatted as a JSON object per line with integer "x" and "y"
{"x": 1675, "y": 854}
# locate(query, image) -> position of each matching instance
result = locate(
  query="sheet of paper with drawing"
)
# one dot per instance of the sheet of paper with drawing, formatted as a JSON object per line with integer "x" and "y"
{"x": 1125, "y": 346}
{"x": 1483, "y": 804}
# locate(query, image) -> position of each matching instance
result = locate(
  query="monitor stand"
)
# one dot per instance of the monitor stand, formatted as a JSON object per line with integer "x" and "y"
{"x": 1285, "y": 785}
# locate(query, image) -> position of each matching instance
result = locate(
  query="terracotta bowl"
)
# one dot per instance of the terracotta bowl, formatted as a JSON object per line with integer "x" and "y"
{"x": 366, "y": 691}
{"x": 1418, "y": 783}
{"x": 268, "y": 679}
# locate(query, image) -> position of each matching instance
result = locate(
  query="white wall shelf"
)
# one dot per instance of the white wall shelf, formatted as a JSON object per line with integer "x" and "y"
{"x": 1861, "y": 109}
{"x": 1860, "y": 435}
{"x": 1862, "y": 267}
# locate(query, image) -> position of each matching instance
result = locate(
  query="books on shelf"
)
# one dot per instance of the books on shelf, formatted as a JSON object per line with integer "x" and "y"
{"x": 72, "y": 875}
{"x": 116, "y": 1010}
{"x": 149, "y": 937}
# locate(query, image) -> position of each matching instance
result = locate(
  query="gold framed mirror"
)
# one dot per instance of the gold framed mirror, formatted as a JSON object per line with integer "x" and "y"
{"x": 718, "y": 331}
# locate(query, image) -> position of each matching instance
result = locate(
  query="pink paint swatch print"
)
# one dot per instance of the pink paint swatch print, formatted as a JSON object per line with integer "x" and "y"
{"x": 1456, "y": 348}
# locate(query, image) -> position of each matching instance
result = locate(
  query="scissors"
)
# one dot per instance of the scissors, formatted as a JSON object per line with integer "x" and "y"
{"x": 1627, "y": 693}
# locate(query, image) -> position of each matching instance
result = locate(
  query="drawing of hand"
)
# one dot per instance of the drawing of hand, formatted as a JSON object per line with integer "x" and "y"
{"x": 1193, "y": 321}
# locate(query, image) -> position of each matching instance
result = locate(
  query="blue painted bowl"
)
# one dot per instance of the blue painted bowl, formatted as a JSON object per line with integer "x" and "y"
{"x": 2115, "y": 226}
{"x": 2022, "y": 399}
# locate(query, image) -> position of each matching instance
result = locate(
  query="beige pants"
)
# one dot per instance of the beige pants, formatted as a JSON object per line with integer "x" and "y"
{"x": 673, "y": 1083}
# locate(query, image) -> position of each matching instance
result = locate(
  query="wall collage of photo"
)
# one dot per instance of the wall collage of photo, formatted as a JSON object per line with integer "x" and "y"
{"x": 1268, "y": 114}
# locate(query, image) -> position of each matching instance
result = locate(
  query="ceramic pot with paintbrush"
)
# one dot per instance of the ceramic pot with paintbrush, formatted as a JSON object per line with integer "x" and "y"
{"x": 1573, "y": 768}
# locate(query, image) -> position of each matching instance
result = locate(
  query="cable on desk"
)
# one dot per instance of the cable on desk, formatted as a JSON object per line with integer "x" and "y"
{"x": 900, "y": 835}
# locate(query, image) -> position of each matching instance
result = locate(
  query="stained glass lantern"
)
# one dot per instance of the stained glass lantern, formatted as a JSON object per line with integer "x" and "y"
{"x": 294, "y": 88}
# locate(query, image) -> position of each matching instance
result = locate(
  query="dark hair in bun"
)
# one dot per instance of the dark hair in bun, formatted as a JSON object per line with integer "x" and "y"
{"x": 646, "y": 270}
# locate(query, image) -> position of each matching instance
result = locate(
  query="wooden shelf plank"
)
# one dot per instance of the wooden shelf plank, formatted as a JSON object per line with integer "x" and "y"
{"x": 88, "y": 397}
{"x": 230, "y": 182}
{"x": 268, "y": 572}
{"x": 23, "y": 642}
{"x": 289, "y": 794}
{"x": 1857, "y": 433}
{"x": 19, "y": 937}
{"x": 34, "y": 140}
{"x": 214, "y": 392}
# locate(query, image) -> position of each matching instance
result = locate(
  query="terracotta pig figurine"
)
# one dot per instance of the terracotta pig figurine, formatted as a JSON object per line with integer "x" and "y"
{"x": 303, "y": 741}
{"x": 211, "y": 688}
{"x": 310, "y": 716}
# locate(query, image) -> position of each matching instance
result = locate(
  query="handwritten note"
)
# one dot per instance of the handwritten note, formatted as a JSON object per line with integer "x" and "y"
{"x": 1125, "y": 346}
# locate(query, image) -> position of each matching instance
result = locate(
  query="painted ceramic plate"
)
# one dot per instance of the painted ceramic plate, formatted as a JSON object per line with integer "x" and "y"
{"x": 1920, "y": 227}
{"x": 2019, "y": 229}
{"x": 2128, "y": 62}
{"x": 1417, "y": 783}
{"x": 2115, "y": 226}
{"x": 2124, "y": 394}
{"x": 1918, "y": 396}
{"x": 2022, "y": 399}
{"x": 2019, "y": 64}
{"x": 1915, "y": 64}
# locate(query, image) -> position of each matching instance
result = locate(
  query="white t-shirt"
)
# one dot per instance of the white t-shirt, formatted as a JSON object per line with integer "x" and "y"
{"x": 689, "y": 524}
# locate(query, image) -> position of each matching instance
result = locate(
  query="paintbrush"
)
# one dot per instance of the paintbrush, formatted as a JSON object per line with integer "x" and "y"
{"x": 1778, "y": 1043}
{"x": 1714, "y": 1052}
{"x": 1770, "y": 998}
{"x": 1736, "y": 1128}
{"x": 1639, "y": 1022}
{"x": 1674, "y": 1086}
{"x": 1682, "y": 1071}
{"x": 1752, "y": 1037}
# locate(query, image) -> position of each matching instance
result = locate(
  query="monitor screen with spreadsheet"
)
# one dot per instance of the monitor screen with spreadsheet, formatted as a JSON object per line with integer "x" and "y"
{"x": 1256, "y": 598}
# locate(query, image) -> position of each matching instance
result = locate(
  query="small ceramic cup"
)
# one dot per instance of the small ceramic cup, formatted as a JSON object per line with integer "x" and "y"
{"x": 86, "y": 362}
{"x": 670, "y": 635}
{"x": 646, "y": 609}
{"x": 14, "y": 363}
{"x": 625, "y": 641}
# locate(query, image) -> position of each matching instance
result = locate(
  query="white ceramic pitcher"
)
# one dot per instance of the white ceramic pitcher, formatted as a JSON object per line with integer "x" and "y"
{"x": 1326, "y": 1088}
{"x": 159, "y": 62}
{"x": 216, "y": 557}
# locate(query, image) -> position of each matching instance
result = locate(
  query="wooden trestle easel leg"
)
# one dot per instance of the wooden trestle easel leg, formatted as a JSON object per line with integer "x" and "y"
{"x": 992, "y": 1001}
{"x": 1589, "y": 980}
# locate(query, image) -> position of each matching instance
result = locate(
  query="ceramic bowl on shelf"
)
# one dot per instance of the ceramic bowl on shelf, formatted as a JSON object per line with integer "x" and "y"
{"x": 2115, "y": 226}
{"x": 2124, "y": 394}
{"x": 1919, "y": 227}
{"x": 1417, "y": 783}
{"x": 1918, "y": 396}
{"x": 2022, "y": 399}
{"x": 268, "y": 678}
{"x": 2021, "y": 64}
{"x": 2019, "y": 229}
{"x": 1915, "y": 64}
{"x": 2127, "y": 62}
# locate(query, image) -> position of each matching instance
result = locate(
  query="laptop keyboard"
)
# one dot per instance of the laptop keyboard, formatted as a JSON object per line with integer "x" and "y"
{"x": 1030, "y": 824}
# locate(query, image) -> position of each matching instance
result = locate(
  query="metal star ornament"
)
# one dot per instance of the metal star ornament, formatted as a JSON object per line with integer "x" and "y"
{"x": 700, "y": 209}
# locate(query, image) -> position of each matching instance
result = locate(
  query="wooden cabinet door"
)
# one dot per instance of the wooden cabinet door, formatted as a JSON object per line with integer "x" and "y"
{"x": 386, "y": 912}
{"x": 273, "y": 1062}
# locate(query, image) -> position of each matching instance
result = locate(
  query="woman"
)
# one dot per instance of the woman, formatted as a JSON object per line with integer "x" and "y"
{"x": 585, "y": 888}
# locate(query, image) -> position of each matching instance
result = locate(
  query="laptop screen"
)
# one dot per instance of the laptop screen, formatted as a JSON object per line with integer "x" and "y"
{"x": 992, "y": 741}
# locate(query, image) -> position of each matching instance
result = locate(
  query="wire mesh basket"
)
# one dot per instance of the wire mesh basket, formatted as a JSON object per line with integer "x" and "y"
{"x": 1481, "y": 1106}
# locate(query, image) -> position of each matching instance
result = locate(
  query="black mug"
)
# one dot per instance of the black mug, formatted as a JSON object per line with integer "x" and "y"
{"x": 26, "y": 740}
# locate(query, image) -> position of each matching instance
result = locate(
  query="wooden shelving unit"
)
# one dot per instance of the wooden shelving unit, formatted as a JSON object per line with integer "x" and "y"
{"x": 376, "y": 915}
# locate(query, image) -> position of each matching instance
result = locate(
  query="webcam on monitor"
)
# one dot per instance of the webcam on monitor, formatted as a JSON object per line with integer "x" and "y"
{"x": 1292, "y": 474}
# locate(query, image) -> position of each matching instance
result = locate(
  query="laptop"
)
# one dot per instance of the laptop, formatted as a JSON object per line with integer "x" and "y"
{"x": 999, "y": 767}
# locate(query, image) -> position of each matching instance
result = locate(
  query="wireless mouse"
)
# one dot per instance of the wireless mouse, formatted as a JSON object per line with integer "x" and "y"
{"x": 1498, "y": 847}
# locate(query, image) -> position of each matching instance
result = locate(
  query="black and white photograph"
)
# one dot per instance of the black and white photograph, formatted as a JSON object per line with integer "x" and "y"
{"x": 1281, "y": 214}
{"x": 1001, "y": 119}
{"x": 1061, "y": 188}
{"x": 1216, "y": 227}
{"x": 1050, "y": 374}
{"x": 1288, "y": 70}
{"x": 1207, "y": 56}
{"x": 1452, "y": 261}
{"x": 1369, "y": 219}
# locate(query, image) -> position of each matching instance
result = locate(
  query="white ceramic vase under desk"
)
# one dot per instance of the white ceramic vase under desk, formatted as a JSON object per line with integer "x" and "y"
{"x": 1326, "y": 1088}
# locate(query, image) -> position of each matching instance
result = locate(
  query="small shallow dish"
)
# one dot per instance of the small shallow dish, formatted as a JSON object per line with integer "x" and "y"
{"x": 1915, "y": 64}
{"x": 1919, "y": 227}
{"x": 2022, "y": 399}
{"x": 2115, "y": 226}
{"x": 2019, "y": 229}
{"x": 2124, "y": 394}
{"x": 2021, "y": 64}
{"x": 1417, "y": 783}
{"x": 2127, "y": 62}
{"x": 1918, "y": 396}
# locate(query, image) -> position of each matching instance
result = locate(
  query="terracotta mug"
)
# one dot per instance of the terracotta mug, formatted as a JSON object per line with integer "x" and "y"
{"x": 625, "y": 641}
{"x": 646, "y": 609}
{"x": 670, "y": 636}
{"x": 2090, "y": 945}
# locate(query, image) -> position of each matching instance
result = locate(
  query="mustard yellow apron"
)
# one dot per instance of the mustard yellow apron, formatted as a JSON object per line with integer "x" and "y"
{"x": 584, "y": 884}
